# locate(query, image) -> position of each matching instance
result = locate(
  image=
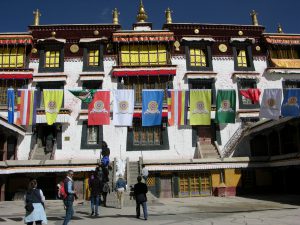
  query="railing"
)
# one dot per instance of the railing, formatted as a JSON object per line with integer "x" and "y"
{"x": 234, "y": 141}
{"x": 199, "y": 152}
{"x": 218, "y": 148}
{"x": 53, "y": 150}
{"x": 32, "y": 151}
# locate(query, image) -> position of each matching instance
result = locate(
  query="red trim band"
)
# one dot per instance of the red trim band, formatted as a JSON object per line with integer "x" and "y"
{"x": 16, "y": 76}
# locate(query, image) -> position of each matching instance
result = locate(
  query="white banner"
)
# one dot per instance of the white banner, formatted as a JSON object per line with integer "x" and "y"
{"x": 271, "y": 104}
{"x": 123, "y": 107}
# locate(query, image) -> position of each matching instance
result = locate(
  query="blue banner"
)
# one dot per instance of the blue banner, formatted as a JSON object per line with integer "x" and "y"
{"x": 152, "y": 107}
{"x": 10, "y": 105}
{"x": 290, "y": 104}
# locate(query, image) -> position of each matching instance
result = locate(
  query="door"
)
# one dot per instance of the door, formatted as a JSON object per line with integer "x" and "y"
{"x": 45, "y": 136}
{"x": 166, "y": 187}
{"x": 205, "y": 135}
{"x": 78, "y": 186}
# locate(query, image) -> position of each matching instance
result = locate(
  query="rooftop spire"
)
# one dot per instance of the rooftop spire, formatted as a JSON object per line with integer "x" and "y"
{"x": 142, "y": 15}
{"x": 279, "y": 29}
{"x": 115, "y": 16}
{"x": 37, "y": 15}
{"x": 254, "y": 18}
{"x": 168, "y": 15}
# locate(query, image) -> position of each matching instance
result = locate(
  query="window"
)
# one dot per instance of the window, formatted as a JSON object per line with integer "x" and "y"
{"x": 47, "y": 85}
{"x": 12, "y": 57}
{"x": 93, "y": 57}
{"x": 51, "y": 58}
{"x": 90, "y": 85}
{"x": 291, "y": 84}
{"x": 91, "y": 136}
{"x": 198, "y": 56}
{"x": 243, "y": 60}
{"x": 147, "y": 138}
{"x": 140, "y": 83}
{"x": 204, "y": 84}
{"x": 246, "y": 103}
{"x": 285, "y": 52}
{"x": 144, "y": 55}
{"x": 5, "y": 84}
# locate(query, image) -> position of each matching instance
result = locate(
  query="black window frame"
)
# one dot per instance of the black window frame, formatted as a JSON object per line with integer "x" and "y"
{"x": 248, "y": 48}
{"x": 83, "y": 144}
{"x": 92, "y": 46}
{"x": 194, "y": 82}
{"x": 202, "y": 45}
{"x": 165, "y": 139}
{"x": 285, "y": 84}
{"x": 90, "y": 84}
{"x": 42, "y": 56}
{"x": 241, "y": 104}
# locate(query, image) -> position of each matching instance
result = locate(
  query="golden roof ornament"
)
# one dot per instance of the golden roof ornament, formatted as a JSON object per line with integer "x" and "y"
{"x": 168, "y": 16}
{"x": 142, "y": 15}
{"x": 37, "y": 15}
{"x": 115, "y": 16}
{"x": 254, "y": 18}
{"x": 279, "y": 29}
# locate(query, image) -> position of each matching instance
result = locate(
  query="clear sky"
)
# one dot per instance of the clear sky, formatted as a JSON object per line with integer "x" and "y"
{"x": 16, "y": 15}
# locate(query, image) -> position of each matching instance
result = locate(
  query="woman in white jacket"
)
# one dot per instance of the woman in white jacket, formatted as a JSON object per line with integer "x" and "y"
{"x": 34, "y": 205}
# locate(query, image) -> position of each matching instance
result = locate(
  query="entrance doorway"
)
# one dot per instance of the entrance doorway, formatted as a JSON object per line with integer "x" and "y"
{"x": 166, "y": 187}
{"x": 205, "y": 135}
{"x": 46, "y": 135}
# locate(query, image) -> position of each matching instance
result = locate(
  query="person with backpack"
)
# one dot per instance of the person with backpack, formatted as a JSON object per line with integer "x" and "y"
{"x": 34, "y": 205}
{"x": 68, "y": 195}
{"x": 120, "y": 188}
{"x": 95, "y": 187}
{"x": 105, "y": 191}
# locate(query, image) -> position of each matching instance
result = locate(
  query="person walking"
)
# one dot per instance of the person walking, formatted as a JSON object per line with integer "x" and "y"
{"x": 140, "y": 190}
{"x": 145, "y": 173}
{"x": 34, "y": 205}
{"x": 105, "y": 191}
{"x": 120, "y": 188}
{"x": 96, "y": 189}
{"x": 71, "y": 196}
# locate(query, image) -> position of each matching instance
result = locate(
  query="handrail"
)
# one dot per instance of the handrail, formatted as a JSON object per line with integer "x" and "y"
{"x": 199, "y": 149}
{"x": 53, "y": 150}
{"x": 32, "y": 151}
{"x": 127, "y": 169}
{"x": 217, "y": 147}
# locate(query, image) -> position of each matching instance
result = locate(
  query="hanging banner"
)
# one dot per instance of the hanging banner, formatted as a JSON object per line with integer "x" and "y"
{"x": 200, "y": 107}
{"x": 226, "y": 106}
{"x": 290, "y": 105}
{"x": 152, "y": 107}
{"x": 270, "y": 104}
{"x": 123, "y": 108}
{"x": 10, "y": 105}
{"x": 252, "y": 94}
{"x": 84, "y": 95}
{"x": 26, "y": 107}
{"x": 53, "y": 99}
{"x": 99, "y": 109}
{"x": 177, "y": 107}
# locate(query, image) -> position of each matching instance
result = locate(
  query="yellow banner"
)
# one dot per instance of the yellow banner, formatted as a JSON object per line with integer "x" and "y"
{"x": 200, "y": 107}
{"x": 53, "y": 101}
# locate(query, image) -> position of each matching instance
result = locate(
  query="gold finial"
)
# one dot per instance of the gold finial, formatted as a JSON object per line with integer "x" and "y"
{"x": 254, "y": 18}
{"x": 168, "y": 15}
{"x": 53, "y": 33}
{"x": 115, "y": 16}
{"x": 37, "y": 15}
{"x": 142, "y": 15}
{"x": 279, "y": 28}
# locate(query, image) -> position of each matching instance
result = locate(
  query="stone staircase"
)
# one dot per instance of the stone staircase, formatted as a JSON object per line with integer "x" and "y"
{"x": 40, "y": 154}
{"x": 209, "y": 151}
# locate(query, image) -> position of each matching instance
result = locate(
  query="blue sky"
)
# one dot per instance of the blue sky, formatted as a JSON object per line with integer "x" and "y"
{"x": 16, "y": 15}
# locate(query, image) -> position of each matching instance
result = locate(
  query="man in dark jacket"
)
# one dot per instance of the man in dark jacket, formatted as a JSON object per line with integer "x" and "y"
{"x": 96, "y": 187}
{"x": 140, "y": 190}
{"x": 68, "y": 202}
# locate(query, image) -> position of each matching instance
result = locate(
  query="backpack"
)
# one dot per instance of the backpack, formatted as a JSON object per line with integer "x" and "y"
{"x": 62, "y": 193}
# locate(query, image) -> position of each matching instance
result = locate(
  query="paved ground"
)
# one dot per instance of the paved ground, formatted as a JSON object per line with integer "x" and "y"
{"x": 254, "y": 210}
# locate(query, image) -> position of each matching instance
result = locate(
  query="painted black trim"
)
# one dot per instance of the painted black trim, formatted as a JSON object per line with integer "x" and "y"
{"x": 88, "y": 47}
{"x": 246, "y": 46}
{"x": 84, "y": 144}
{"x": 59, "y": 137}
{"x": 285, "y": 83}
{"x": 241, "y": 104}
{"x": 51, "y": 47}
{"x": 207, "y": 48}
{"x": 194, "y": 136}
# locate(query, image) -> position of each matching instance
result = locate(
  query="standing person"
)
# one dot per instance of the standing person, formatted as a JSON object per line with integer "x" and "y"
{"x": 120, "y": 188}
{"x": 145, "y": 173}
{"x": 96, "y": 189}
{"x": 105, "y": 191}
{"x": 71, "y": 195}
{"x": 140, "y": 190}
{"x": 34, "y": 200}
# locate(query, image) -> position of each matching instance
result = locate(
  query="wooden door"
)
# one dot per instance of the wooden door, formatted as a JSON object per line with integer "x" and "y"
{"x": 204, "y": 135}
{"x": 166, "y": 187}
{"x": 78, "y": 186}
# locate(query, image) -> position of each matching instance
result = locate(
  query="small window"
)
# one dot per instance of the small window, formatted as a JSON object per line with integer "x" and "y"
{"x": 91, "y": 136}
{"x": 147, "y": 138}
{"x": 246, "y": 103}
{"x": 52, "y": 59}
{"x": 12, "y": 57}
{"x": 290, "y": 84}
{"x": 5, "y": 84}
{"x": 243, "y": 60}
{"x": 198, "y": 56}
{"x": 285, "y": 52}
{"x": 93, "y": 57}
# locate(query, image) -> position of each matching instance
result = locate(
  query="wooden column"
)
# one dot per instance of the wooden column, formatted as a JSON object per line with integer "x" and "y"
{"x": 4, "y": 157}
{"x": 2, "y": 193}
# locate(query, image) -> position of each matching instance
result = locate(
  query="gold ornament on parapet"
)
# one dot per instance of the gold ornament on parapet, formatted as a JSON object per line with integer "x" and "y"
{"x": 257, "y": 48}
{"x": 74, "y": 48}
{"x": 196, "y": 31}
{"x": 177, "y": 45}
{"x": 222, "y": 48}
{"x": 240, "y": 33}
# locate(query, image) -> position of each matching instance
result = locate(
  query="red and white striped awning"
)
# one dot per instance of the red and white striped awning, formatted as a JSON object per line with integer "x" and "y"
{"x": 16, "y": 39}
